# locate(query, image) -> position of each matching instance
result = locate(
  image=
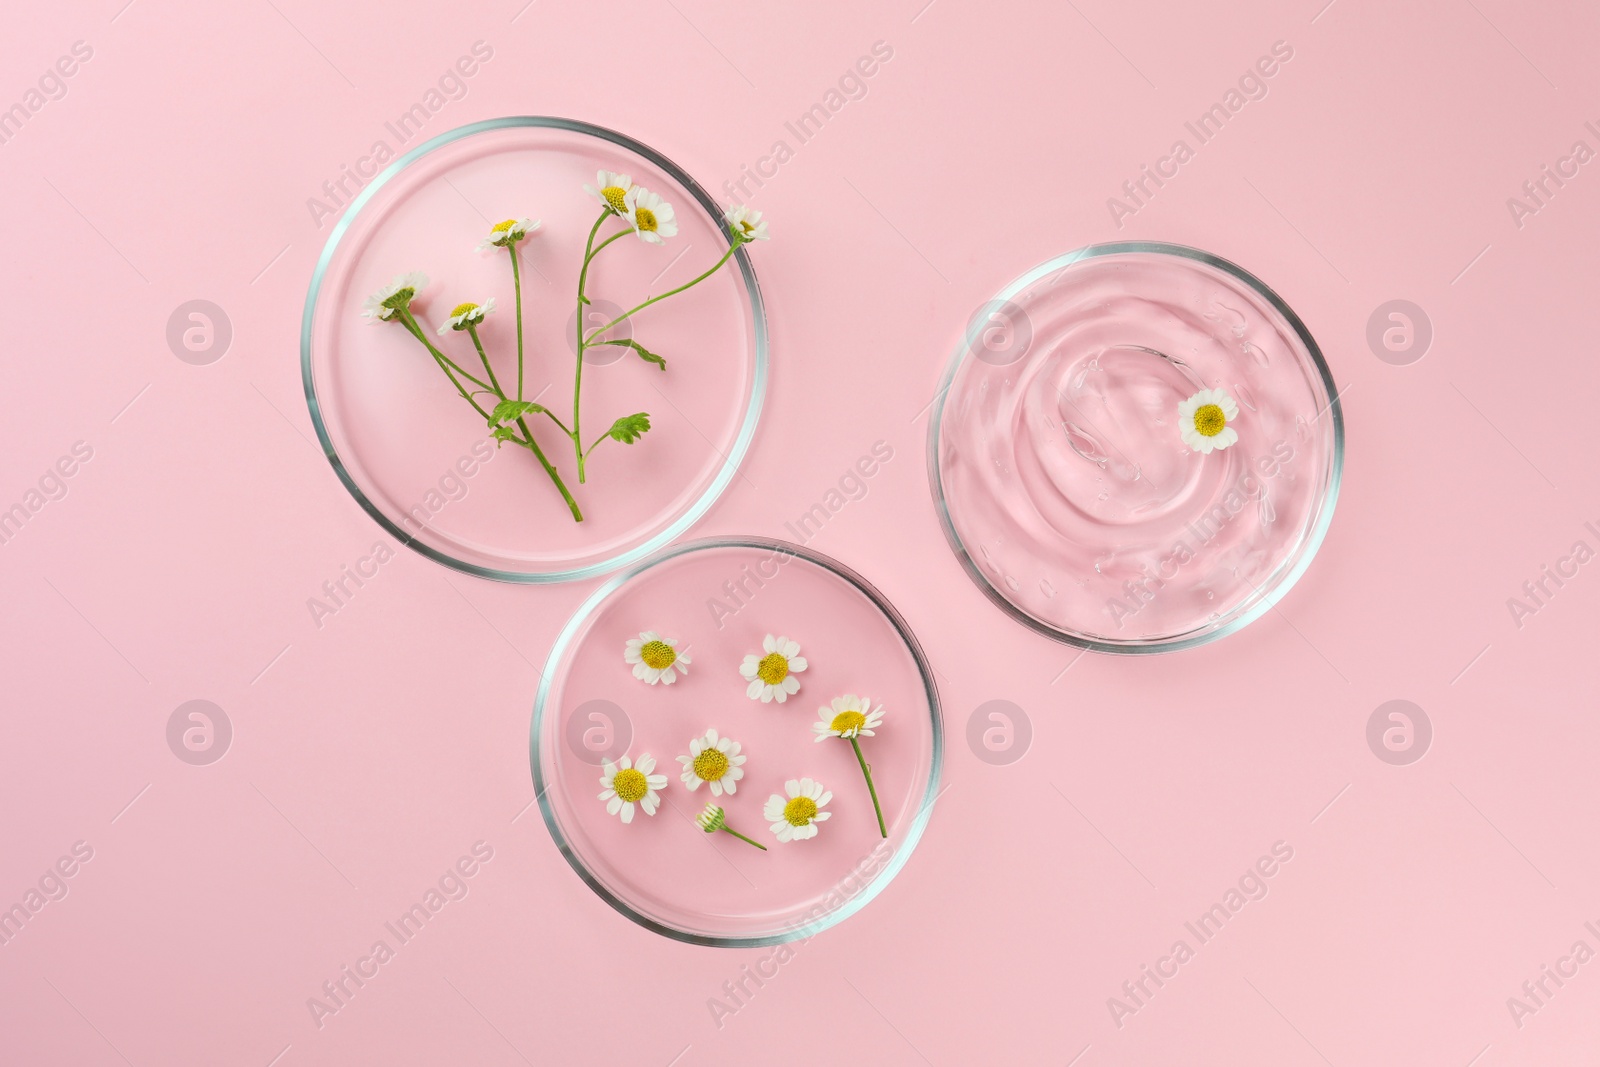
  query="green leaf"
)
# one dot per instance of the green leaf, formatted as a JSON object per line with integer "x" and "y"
{"x": 513, "y": 409}
{"x": 503, "y": 433}
{"x": 629, "y": 428}
{"x": 644, "y": 353}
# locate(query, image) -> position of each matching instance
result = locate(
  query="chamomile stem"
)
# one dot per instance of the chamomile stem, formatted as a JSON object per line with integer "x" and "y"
{"x": 670, "y": 292}
{"x": 577, "y": 374}
{"x": 855, "y": 743}
{"x": 410, "y": 324}
{"x": 516, "y": 284}
{"x": 741, "y": 837}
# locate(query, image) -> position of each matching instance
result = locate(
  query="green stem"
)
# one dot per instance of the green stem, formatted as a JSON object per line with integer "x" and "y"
{"x": 577, "y": 375}
{"x": 410, "y": 323}
{"x": 855, "y": 743}
{"x": 741, "y": 837}
{"x": 516, "y": 283}
{"x": 671, "y": 292}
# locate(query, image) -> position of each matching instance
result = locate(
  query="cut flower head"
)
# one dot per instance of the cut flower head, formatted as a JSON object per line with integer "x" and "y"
{"x": 651, "y": 217}
{"x": 507, "y": 233}
{"x": 772, "y": 674}
{"x": 629, "y": 785}
{"x": 1204, "y": 420}
{"x": 395, "y": 297}
{"x": 466, "y": 316}
{"x": 611, "y": 189}
{"x": 795, "y": 817}
{"x": 714, "y": 760}
{"x": 655, "y": 658}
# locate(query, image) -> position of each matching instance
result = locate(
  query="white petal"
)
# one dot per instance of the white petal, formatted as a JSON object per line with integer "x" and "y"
{"x": 646, "y": 763}
{"x": 627, "y": 811}
{"x": 753, "y": 690}
{"x": 730, "y": 784}
{"x": 614, "y": 805}
{"x": 716, "y": 788}
{"x": 768, "y": 643}
{"x": 749, "y": 667}
{"x": 791, "y": 649}
{"x": 791, "y": 684}
{"x": 797, "y": 664}
{"x": 792, "y": 786}
{"x": 822, "y": 816}
{"x": 778, "y": 693}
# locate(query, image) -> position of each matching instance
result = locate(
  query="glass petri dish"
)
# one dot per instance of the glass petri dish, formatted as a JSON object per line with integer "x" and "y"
{"x": 1059, "y": 473}
{"x": 418, "y": 459}
{"x": 719, "y": 598}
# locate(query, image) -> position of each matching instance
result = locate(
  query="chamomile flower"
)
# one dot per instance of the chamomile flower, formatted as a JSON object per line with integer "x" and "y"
{"x": 655, "y": 658}
{"x": 715, "y": 761}
{"x": 611, "y": 189}
{"x": 714, "y": 818}
{"x": 395, "y": 297}
{"x": 507, "y": 233}
{"x": 628, "y": 785}
{"x": 651, "y": 217}
{"x": 772, "y": 675}
{"x": 746, "y": 225}
{"x": 1203, "y": 420}
{"x": 795, "y": 817}
{"x": 463, "y": 316}
{"x": 849, "y": 717}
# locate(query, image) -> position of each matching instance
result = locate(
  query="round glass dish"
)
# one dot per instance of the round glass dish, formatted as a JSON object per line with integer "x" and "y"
{"x": 418, "y": 458}
{"x": 719, "y": 598}
{"x": 1062, "y": 480}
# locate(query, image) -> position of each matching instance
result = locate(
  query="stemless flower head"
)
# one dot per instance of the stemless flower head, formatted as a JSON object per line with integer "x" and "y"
{"x": 772, "y": 674}
{"x": 651, "y": 217}
{"x": 795, "y": 817}
{"x": 850, "y": 716}
{"x": 715, "y": 761}
{"x": 395, "y": 297}
{"x": 1203, "y": 420}
{"x": 611, "y": 189}
{"x": 655, "y": 658}
{"x": 628, "y": 785}
{"x": 745, "y": 225}
{"x": 507, "y": 233}
{"x": 465, "y": 315}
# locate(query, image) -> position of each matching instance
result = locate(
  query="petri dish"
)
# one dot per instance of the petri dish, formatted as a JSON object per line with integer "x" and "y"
{"x": 1061, "y": 478}
{"x": 419, "y": 460}
{"x": 719, "y": 598}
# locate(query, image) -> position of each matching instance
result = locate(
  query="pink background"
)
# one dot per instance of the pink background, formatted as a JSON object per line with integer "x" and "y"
{"x": 371, "y": 753}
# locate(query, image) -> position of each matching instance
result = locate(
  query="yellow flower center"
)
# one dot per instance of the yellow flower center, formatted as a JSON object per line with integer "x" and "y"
{"x": 644, "y": 219}
{"x": 462, "y": 309}
{"x": 772, "y": 669}
{"x": 631, "y": 784}
{"x": 747, "y": 226}
{"x": 502, "y": 227}
{"x": 710, "y": 765}
{"x": 658, "y": 654}
{"x": 1209, "y": 420}
{"x": 800, "y": 811}
{"x": 616, "y": 198}
{"x": 847, "y": 722}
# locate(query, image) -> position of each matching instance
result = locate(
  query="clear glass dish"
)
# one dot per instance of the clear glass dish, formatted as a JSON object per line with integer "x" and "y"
{"x": 412, "y": 452}
{"x": 1061, "y": 479}
{"x": 663, "y": 872}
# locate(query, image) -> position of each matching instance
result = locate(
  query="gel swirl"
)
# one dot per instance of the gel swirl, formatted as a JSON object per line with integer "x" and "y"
{"x": 1066, "y": 479}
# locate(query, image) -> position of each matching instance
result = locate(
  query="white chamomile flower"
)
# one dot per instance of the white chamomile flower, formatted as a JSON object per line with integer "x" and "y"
{"x": 772, "y": 675}
{"x": 714, "y": 818}
{"x": 1203, "y": 420}
{"x": 849, "y": 717}
{"x": 715, "y": 761}
{"x": 651, "y": 217}
{"x": 655, "y": 658}
{"x": 746, "y": 225}
{"x": 507, "y": 233}
{"x": 611, "y": 189}
{"x": 463, "y": 316}
{"x": 629, "y": 784}
{"x": 796, "y": 818}
{"x": 394, "y": 297}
